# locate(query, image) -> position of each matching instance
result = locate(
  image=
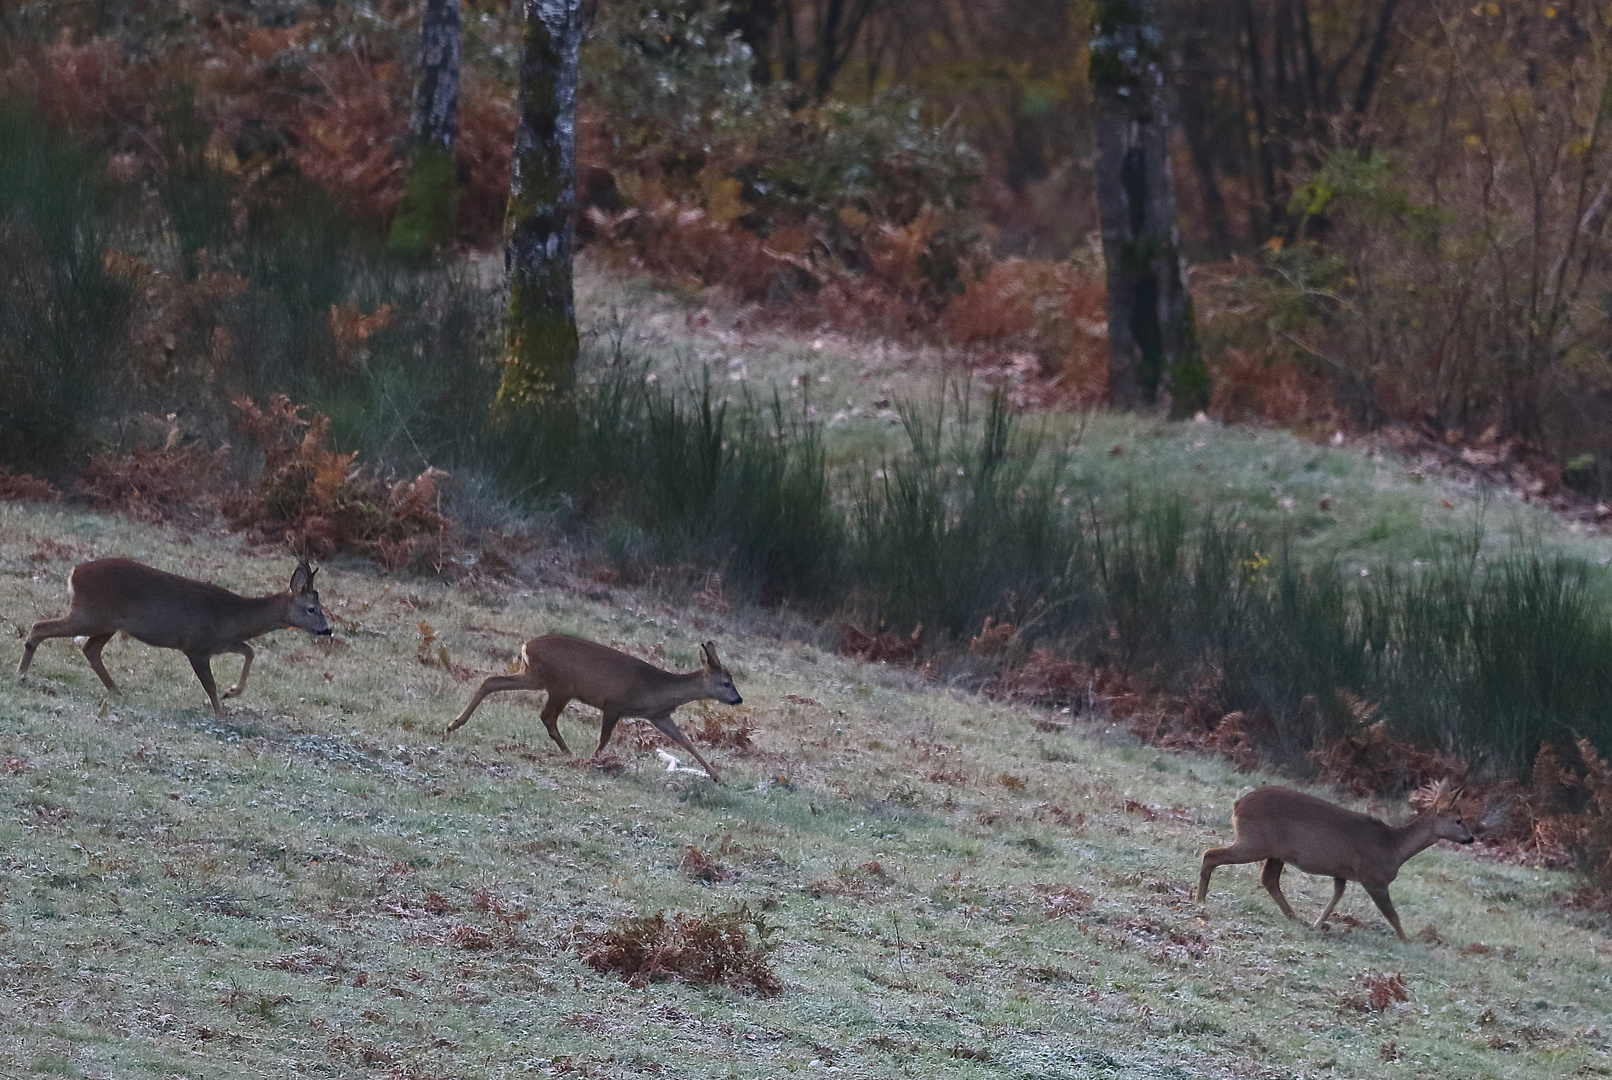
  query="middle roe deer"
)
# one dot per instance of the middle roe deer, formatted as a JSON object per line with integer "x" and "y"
{"x": 172, "y": 612}
{"x": 616, "y": 684}
{"x": 1279, "y": 826}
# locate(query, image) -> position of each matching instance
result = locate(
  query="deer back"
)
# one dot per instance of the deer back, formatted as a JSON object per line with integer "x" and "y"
{"x": 610, "y": 680}
{"x": 1315, "y": 835}
{"x": 172, "y": 612}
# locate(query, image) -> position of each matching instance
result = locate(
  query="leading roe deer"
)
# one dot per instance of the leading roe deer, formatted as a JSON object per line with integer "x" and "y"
{"x": 1279, "y": 826}
{"x": 616, "y": 684}
{"x": 172, "y": 612}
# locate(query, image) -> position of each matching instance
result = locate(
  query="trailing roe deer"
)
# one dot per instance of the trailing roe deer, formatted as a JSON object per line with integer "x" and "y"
{"x": 1279, "y": 825}
{"x": 171, "y": 612}
{"x": 616, "y": 684}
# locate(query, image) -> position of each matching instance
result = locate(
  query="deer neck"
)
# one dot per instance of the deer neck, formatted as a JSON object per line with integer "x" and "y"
{"x": 1415, "y": 836}
{"x": 674, "y": 691}
{"x": 261, "y": 614}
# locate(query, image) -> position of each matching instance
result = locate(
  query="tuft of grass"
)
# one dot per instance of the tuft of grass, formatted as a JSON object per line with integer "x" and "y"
{"x": 686, "y": 476}
{"x": 1493, "y": 659}
{"x": 964, "y": 527}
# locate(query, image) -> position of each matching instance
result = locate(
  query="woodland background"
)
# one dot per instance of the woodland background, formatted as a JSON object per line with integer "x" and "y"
{"x": 1396, "y": 220}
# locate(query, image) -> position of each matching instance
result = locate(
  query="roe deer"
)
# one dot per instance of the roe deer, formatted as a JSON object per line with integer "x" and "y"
{"x": 171, "y": 612}
{"x": 1279, "y": 825}
{"x": 616, "y": 684}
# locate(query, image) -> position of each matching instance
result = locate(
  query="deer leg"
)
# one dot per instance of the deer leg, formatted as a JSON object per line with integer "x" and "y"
{"x": 92, "y": 653}
{"x": 552, "y": 708}
{"x": 492, "y": 685}
{"x": 1379, "y": 894}
{"x": 606, "y": 728}
{"x": 246, "y": 667}
{"x": 202, "y": 663}
{"x": 668, "y": 728}
{"x": 1272, "y": 880}
{"x": 1216, "y": 857}
{"x": 43, "y": 630}
{"x": 1338, "y": 885}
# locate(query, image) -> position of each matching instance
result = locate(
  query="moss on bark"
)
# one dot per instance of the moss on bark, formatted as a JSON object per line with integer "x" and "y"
{"x": 426, "y": 216}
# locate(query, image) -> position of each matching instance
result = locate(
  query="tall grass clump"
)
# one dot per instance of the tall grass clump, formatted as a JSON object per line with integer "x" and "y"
{"x": 415, "y": 392}
{"x": 1492, "y": 661}
{"x": 969, "y": 524}
{"x": 1484, "y": 660}
{"x": 667, "y": 476}
{"x": 63, "y": 311}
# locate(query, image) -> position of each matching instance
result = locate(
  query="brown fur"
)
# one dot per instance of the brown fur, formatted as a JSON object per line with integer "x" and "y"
{"x": 1278, "y": 826}
{"x": 171, "y": 612}
{"x": 569, "y": 668}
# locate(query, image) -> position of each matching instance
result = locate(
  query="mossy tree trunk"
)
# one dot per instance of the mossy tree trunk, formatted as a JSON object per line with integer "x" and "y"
{"x": 425, "y": 217}
{"x": 1152, "y": 340}
{"x": 540, "y": 224}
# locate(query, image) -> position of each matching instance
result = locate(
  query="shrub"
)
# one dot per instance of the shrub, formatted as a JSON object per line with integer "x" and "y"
{"x": 705, "y": 949}
{"x": 847, "y": 212}
{"x": 178, "y": 479}
{"x": 1054, "y": 312}
{"x": 20, "y": 487}
{"x": 320, "y": 501}
{"x": 1372, "y": 761}
{"x": 1569, "y": 795}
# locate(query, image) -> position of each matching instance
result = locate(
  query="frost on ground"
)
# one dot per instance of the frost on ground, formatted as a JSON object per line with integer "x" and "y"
{"x": 316, "y": 884}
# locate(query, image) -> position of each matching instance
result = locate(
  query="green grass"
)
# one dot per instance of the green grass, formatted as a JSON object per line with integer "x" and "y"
{"x": 1383, "y": 507}
{"x": 1483, "y": 649}
{"x": 1266, "y": 572}
{"x": 247, "y": 897}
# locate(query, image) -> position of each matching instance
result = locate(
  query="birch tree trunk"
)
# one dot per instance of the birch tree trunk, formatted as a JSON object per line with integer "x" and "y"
{"x": 1152, "y": 342}
{"x": 425, "y": 217}
{"x": 540, "y": 224}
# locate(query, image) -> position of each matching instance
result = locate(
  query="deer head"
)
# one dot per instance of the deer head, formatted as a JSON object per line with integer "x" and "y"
{"x": 304, "y": 611}
{"x": 718, "y": 677}
{"x": 1440, "y": 802}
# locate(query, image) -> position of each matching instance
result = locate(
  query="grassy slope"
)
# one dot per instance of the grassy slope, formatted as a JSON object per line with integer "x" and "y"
{"x": 246, "y": 897}
{"x": 1383, "y": 508}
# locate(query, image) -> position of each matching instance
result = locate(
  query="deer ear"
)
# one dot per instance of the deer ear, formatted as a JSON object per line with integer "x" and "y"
{"x": 708, "y": 653}
{"x": 302, "y": 579}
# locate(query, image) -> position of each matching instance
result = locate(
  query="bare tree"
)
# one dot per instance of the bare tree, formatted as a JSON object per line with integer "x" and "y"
{"x": 540, "y": 224}
{"x": 831, "y": 30}
{"x": 425, "y": 217}
{"x": 1152, "y": 341}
